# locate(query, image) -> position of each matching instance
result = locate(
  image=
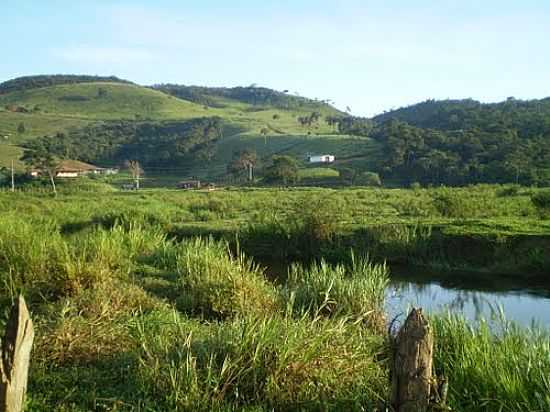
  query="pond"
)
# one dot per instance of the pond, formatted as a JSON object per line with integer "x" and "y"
{"x": 524, "y": 301}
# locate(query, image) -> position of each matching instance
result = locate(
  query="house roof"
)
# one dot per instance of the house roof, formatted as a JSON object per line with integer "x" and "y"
{"x": 76, "y": 166}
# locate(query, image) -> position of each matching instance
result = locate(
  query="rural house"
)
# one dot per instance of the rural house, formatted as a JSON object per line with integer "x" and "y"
{"x": 189, "y": 184}
{"x": 75, "y": 168}
{"x": 321, "y": 159}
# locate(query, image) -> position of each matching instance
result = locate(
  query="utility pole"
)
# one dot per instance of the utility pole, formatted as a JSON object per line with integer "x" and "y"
{"x": 12, "y": 177}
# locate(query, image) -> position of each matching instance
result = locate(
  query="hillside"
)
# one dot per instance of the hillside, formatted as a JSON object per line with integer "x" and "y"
{"x": 529, "y": 117}
{"x": 101, "y": 118}
{"x": 460, "y": 142}
{"x": 187, "y": 131}
{"x": 256, "y": 96}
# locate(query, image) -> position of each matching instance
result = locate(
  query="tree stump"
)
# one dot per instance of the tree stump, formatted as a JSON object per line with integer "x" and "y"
{"x": 412, "y": 365}
{"x": 15, "y": 355}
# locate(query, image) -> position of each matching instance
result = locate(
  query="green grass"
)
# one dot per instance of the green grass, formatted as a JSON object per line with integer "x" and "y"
{"x": 121, "y": 101}
{"x": 9, "y": 153}
{"x": 134, "y": 312}
{"x": 493, "y": 370}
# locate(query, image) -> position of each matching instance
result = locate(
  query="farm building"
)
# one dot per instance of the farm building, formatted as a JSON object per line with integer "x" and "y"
{"x": 189, "y": 184}
{"x": 75, "y": 168}
{"x": 321, "y": 159}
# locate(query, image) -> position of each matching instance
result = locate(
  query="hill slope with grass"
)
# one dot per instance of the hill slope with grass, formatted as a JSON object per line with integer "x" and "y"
{"x": 110, "y": 114}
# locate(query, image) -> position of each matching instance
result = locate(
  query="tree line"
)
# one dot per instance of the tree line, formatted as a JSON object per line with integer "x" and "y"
{"x": 35, "y": 82}
{"x": 253, "y": 95}
{"x": 152, "y": 144}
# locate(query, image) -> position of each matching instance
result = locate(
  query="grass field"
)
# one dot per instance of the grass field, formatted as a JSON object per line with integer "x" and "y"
{"x": 137, "y": 307}
{"x": 9, "y": 153}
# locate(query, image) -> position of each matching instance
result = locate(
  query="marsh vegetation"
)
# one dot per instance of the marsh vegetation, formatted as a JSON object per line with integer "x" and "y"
{"x": 156, "y": 300}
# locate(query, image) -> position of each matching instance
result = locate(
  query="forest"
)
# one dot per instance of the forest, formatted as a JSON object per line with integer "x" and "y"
{"x": 152, "y": 144}
{"x": 256, "y": 96}
{"x": 460, "y": 142}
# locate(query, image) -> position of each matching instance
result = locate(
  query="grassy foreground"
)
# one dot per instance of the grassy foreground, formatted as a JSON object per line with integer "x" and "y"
{"x": 135, "y": 310}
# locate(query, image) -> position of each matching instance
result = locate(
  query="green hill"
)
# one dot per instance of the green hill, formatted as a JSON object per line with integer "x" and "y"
{"x": 529, "y": 117}
{"x": 194, "y": 131}
{"x": 35, "y": 82}
{"x": 460, "y": 142}
{"x": 120, "y": 118}
{"x": 100, "y": 101}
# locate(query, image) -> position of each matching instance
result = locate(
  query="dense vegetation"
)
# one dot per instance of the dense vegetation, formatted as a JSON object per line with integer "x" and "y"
{"x": 461, "y": 142}
{"x": 137, "y": 307}
{"x": 35, "y": 82}
{"x": 153, "y": 144}
{"x": 253, "y": 95}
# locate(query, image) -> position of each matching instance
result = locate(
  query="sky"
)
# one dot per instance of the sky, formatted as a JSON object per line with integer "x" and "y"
{"x": 371, "y": 56}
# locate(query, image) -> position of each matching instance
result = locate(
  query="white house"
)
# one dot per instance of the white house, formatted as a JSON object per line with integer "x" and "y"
{"x": 321, "y": 159}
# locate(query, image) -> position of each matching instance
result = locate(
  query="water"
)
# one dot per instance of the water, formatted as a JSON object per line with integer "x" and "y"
{"x": 475, "y": 296}
{"x": 523, "y": 300}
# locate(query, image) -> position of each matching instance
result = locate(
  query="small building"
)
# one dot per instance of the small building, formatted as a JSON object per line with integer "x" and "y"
{"x": 76, "y": 168}
{"x": 189, "y": 184}
{"x": 321, "y": 159}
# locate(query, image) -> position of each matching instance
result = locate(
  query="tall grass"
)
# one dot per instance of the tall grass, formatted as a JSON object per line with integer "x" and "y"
{"x": 129, "y": 319}
{"x": 213, "y": 283}
{"x": 493, "y": 370}
{"x": 267, "y": 363}
{"x": 356, "y": 291}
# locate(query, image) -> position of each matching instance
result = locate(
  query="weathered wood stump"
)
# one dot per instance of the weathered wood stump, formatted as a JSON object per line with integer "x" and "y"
{"x": 15, "y": 354}
{"x": 412, "y": 365}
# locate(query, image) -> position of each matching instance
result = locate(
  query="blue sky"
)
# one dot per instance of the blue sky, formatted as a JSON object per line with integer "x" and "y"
{"x": 369, "y": 55}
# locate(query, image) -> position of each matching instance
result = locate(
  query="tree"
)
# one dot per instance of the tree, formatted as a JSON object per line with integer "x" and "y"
{"x": 264, "y": 132}
{"x": 283, "y": 168}
{"x": 135, "y": 169}
{"x": 43, "y": 161}
{"x": 21, "y": 128}
{"x": 243, "y": 163}
{"x": 348, "y": 174}
{"x": 372, "y": 179}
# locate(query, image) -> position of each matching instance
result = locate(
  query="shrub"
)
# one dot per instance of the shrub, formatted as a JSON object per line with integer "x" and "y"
{"x": 508, "y": 191}
{"x": 215, "y": 284}
{"x": 541, "y": 200}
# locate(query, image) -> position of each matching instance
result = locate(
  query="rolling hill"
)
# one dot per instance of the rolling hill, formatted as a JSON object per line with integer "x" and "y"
{"x": 187, "y": 131}
{"x": 86, "y": 107}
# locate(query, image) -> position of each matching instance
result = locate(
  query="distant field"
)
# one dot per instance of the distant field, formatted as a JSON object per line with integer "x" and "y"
{"x": 299, "y": 146}
{"x": 35, "y": 125}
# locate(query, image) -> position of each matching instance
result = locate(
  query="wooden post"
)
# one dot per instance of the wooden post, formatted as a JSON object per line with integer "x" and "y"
{"x": 412, "y": 365}
{"x": 15, "y": 355}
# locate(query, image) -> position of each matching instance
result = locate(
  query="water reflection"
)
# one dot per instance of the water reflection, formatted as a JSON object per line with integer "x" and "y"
{"x": 522, "y": 301}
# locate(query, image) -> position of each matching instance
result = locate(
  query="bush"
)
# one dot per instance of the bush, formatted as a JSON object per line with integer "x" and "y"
{"x": 508, "y": 191}
{"x": 541, "y": 200}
